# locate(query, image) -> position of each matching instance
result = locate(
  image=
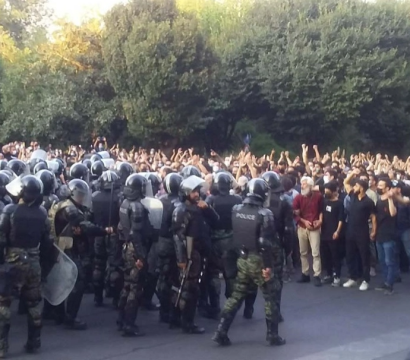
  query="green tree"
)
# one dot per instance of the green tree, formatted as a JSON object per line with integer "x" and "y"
{"x": 162, "y": 68}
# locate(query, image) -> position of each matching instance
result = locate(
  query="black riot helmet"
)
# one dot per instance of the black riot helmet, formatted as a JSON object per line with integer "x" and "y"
{"x": 61, "y": 166}
{"x": 124, "y": 170}
{"x": 33, "y": 162}
{"x": 258, "y": 188}
{"x": 80, "y": 192}
{"x": 3, "y": 164}
{"x": 95, "y": 158}
{"x": 190, "y": 170}
{"x": 79, "y": 171}
{"x": 155, "y": 182}
{"x": 273, "y": 181}
{"x": 172, "y": 182}
{"x": 18, "y": 167}
{"x": 135, "y": 187}
{"x": 4, "y": 180}
{"x": 40, "y": 166}
{"x": 97, "y": 168}
{"x": 29, "y": 188}
{"x": 49, "y": 181}
{"x": 223, "y": 182}
{"x": 88, "y": 163}
{"x": 109, "y": 180}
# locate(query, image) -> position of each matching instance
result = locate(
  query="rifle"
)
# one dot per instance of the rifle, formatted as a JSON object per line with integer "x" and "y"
{"x": 189, "y": 245}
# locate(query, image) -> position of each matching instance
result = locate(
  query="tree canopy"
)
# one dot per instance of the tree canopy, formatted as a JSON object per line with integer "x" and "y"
{"x": 173, "y": 72}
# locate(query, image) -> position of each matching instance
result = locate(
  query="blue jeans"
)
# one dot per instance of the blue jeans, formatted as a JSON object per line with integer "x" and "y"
{"x": 388, "y": 260}
{"x": 405, "y": 239}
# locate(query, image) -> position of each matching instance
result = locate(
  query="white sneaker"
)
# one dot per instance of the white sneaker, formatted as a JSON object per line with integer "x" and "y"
{"x": 364, "y": 286}
{"x": 373, "y": 272}
{"x": 336, "y": 282}
{"x": 349, "y": 283}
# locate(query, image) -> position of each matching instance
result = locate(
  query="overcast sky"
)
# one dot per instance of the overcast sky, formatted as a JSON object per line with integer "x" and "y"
{"x": 75, "y": 10}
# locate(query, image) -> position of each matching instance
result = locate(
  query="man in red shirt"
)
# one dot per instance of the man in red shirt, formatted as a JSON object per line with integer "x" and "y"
{"x": 307, "y": 208}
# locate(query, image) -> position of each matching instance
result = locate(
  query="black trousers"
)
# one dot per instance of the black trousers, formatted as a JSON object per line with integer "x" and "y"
{"x": 358, "y": 251}
{"x": 331, "y": 255}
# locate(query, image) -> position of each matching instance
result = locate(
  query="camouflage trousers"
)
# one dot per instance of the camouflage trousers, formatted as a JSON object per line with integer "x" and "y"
{"x": 248, "y": 278}
{"x": 131, "y": 293}
{"x": 23, "y": 276}
{"x": 277, "y": 272}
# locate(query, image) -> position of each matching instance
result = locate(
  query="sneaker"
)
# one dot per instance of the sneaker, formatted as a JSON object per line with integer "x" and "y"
{"x": 364, "y": 286}
{"x": 398, "y": 279}
{"x": 373, "y": 272}
{"x": 327, "y": 280}
{"x": 336, "y": 282}
{"x": 381, "y": 287}
{"x": 389, "y": 290}
{"x": 317, "y": 282}
{"x": 349, "y": 283}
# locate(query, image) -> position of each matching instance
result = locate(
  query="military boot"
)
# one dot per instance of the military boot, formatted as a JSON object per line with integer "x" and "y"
{"x": 221, "y": 334}
{"x": 4, "y": 340}
{"x": 174, "y": 318}
{"x": 33, "y": 342}
{"x": 187, "y": 321}
{"x": 130, "y": 316}
{"x": 272, "y": 334}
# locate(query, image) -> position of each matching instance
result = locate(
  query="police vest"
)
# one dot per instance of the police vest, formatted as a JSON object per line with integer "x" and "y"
{"x": 245, "y": 226}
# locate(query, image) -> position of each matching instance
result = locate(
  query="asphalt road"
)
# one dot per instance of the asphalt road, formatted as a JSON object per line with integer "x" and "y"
{"x": 320, "y": 324}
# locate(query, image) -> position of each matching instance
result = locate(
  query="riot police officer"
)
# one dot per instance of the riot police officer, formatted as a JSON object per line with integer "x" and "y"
{"x": 71, "y": 230}
{"x": 24, "y": 236}
{"x": 137, "y": 231}
{"x": 4, "y": 198}
{"x": 221, "y": 236}
{"x": 49, "y": 184}
{"x": 167, "y": 262}
{"x": 97, "y": 168}
{"x": 283, "y": 216}
{"x": 105, "y": 205}
{"x": 190, "y": 220}
{"x": 124, "y": 170}
{"x": 253, "y": 236}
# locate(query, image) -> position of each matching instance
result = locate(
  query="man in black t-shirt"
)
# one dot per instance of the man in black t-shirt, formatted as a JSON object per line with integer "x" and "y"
{"x": 361, "y": 208}
{"x": 333, "y": 216}
{"x": 386, "y": 212}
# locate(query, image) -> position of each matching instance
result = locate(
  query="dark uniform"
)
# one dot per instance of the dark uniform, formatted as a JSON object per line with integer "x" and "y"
{"x": 221, "y": 236}
{"x": 24, "y": 236}
{"x": 137, "y": 230}
{"x": 4, "y": 198}
{"x": 105, "y": 208}
{"x": 167, "y": 262}
{"x": 72, "y": 230}
{"x": 253, "y": 235}
{"x": 190, "y": 223}
{"x": 283, "y": 216}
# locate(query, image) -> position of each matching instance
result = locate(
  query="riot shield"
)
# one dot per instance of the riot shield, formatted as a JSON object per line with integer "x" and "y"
{"x": 155, "y": 209}
{"x": 61, "y": 279}
{"x": 53, "y": 166}
{"x": 39, "y": 154}
{"x": 104, "y": 154}
{"x": 15, "y": 187}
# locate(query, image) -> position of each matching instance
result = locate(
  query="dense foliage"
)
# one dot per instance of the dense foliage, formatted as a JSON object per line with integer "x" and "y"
{"x": 205, "y": 72}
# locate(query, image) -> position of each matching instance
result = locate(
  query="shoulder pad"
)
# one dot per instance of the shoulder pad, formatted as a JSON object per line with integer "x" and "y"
{"x": 265, "y": 212}
{"x": 9, "y": 209}
{"x": 237, "y": 207}
{"x": 96, "y": 193}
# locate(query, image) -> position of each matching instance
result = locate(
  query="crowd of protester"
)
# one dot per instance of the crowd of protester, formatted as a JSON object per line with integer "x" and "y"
{"x": 351, "y": 208}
